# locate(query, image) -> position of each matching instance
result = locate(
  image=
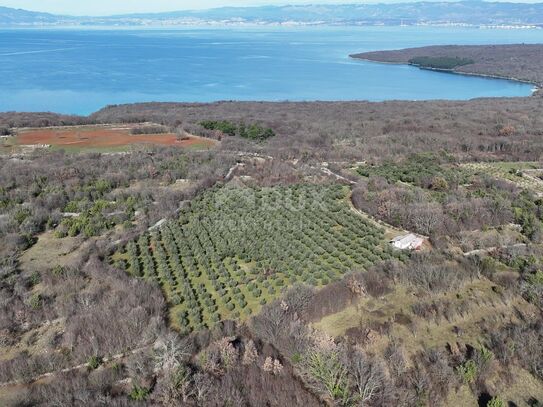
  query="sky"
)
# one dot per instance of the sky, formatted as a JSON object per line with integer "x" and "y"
{"x": 107, "y": 7}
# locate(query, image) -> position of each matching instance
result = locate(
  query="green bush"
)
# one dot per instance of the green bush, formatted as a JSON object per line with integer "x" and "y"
{"x": 94, "y": 362}
{"x": 496, "y": 401}
{"x": 35, "y": 301}
{"x": 440, "y": 62}
{"x": 58, "y": 270}
{"x": 139, "y": 393}
{"x": 223, "y": 126}
{"x": 468, "y": 371}
{"x": 252, "y": 131}
{"x": 486, "y": 354}
{"x": 35, "y": 278}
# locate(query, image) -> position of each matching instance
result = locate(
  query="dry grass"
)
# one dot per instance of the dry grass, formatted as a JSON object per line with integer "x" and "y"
{"x": 50, "y": 251}
{"x": 367, "y": 310}
{"x": 518, "y": 391}
{"x": 34, "y": 341}
{"x": 524, "y": 386}
{"x": 463, "y": 397}
{"x": 485, "y": 306}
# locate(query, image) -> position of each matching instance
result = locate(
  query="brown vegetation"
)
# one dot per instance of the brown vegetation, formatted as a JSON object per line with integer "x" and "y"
{"x": 517, "y": 61}
{"x": 343, "y": 131}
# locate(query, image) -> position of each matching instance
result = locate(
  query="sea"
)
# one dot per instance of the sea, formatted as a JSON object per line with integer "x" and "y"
{"x": 78, "y": 71}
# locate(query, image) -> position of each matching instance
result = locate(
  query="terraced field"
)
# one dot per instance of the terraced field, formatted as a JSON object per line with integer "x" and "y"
{"x": 235, "y": 249}
{"x": 523, "y": 174}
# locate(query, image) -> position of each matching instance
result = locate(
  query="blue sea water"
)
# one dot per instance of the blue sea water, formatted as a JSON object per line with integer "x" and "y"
{"x": 81, "y": 70}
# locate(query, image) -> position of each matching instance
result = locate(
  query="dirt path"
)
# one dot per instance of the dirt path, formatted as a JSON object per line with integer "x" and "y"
{"x": 74, "y": 368}
{"x": 490, "y": 249}
{"x": 329, "y": 172}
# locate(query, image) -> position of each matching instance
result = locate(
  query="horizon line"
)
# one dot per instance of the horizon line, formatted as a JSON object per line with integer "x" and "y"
{"x": 317, "y": 3}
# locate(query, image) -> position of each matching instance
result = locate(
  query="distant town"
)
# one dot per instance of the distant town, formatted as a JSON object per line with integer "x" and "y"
{"x": 462, "y": 14}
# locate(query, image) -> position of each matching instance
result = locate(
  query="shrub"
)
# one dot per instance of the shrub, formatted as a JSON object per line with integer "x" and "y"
{"x": 94, "y": 362}
{"x": 496, "y": 401}
{"x": 325, "y": 372}
{"x": 440, "y": 62}
{"x": 250, "y": 355}
{"x": 150, "y": 129}
{"x": 35, "y": 301}
{"x": 35, "y": 278}
{"x": 468, "y": 371}
{"x": 139, "y": 393}
{"x": 252, "y": 131}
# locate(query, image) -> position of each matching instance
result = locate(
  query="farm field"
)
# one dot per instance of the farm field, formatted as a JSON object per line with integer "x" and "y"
{"x": 524, "y": 174}
{"x": 235, "y": 249}
{"x": 103, "y": 137}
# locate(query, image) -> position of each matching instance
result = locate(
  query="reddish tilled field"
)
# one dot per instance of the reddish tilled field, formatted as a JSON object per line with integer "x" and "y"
{"x": 89, "y": 137}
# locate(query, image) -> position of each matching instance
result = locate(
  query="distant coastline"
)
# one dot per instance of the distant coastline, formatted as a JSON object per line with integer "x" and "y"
{"x": 152, "y": 24}
{"x": 514, "y": 62}
{"x": 480, "y": 14}
{"x": 535, "y": 91}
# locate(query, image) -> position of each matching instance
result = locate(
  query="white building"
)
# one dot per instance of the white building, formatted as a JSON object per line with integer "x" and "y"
{"x": 407, "y": 242}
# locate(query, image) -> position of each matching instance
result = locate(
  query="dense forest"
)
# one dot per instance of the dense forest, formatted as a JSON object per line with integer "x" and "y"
{"x": 444, "y": 63}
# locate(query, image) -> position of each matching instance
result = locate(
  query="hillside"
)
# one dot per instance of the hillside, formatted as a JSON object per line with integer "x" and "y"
{"x": 518, "y": 61}
{"x": 463, "y": 12}
{"x": 11, "y": 16}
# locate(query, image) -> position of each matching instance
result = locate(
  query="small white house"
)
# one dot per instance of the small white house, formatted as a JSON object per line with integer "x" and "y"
{"x": 407, "y": 242}
{"x": 157, "y": 225}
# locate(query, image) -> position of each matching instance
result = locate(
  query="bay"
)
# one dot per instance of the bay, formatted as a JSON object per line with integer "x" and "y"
{"x": 82, "y": 70}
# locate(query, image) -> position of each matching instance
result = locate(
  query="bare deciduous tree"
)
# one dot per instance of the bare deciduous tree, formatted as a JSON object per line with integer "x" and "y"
{"x": 368, "y": 379}
{"x": 171, "y": 351}
{"x": 250, "y": 354}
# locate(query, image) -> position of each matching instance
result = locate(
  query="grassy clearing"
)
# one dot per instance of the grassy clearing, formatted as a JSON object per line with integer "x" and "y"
{"x": 517, "y": 391}
{"x": 524, "y": 386}
{"x": 236, "y": 249}
{"x": 8, "y": 145}
{"x": 367, "y": 310}
{"x": 477, "y": 300}
{"x": 50, "y": 251}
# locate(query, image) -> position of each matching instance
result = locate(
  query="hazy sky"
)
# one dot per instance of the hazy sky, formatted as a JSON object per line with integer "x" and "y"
{"x": 104, "y": 7}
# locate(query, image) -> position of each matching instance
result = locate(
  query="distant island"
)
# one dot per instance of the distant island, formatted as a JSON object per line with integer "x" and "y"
{"x": 521, "y": 62}
{"x": 462, "y": 13}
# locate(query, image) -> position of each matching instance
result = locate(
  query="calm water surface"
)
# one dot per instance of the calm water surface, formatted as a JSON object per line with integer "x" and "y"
{"x": 80, "y": 71}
